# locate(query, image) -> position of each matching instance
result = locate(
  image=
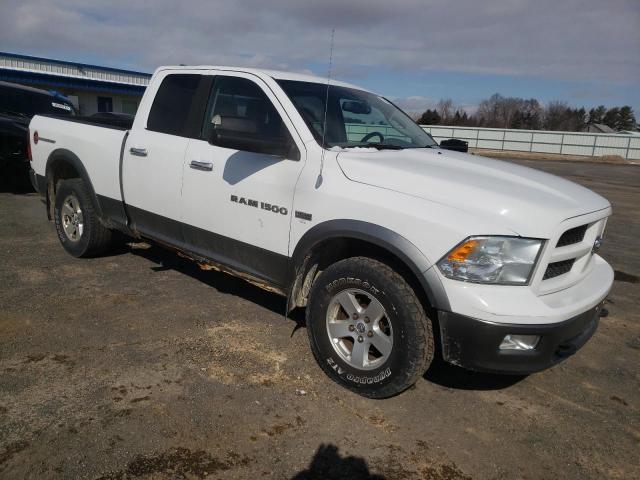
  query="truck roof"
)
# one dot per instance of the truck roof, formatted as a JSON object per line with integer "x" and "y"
{"x": 275, "y": 74}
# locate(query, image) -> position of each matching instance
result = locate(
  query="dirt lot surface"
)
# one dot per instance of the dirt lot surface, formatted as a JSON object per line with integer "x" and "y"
{"x": 139, "y": 365}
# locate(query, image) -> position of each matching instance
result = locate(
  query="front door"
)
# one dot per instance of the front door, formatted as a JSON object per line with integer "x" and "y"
{"x": 237, "y": 205}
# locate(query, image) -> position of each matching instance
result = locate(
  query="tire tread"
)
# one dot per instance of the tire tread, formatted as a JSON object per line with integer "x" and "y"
{"x": 422, "y": 343}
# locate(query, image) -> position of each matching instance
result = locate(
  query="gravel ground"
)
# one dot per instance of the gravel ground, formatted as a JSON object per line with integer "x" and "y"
{"x": 140, "y": 365}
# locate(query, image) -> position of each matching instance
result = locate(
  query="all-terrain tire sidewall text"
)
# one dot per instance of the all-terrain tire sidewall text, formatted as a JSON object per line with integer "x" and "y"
{"x": 412, "y": 350}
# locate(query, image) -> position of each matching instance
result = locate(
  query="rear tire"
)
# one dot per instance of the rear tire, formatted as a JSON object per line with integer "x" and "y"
{"x": 78, "y": 225}
{"x": 367, "y": 328}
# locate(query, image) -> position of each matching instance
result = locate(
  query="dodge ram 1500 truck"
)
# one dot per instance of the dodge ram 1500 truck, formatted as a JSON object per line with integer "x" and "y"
{"x": 332, "y": 196}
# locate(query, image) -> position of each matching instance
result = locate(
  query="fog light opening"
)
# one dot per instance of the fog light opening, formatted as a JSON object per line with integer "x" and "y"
{"x": 519, "y": 342}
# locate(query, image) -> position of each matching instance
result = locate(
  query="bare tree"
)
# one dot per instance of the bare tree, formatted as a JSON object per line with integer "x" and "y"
{"x": 445, "y": 109}
{"x": 514, "y": 112}
{"x": 558, "y": 116}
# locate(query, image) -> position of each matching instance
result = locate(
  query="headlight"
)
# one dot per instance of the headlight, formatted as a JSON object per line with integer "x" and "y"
{"x": 498, "y": 260}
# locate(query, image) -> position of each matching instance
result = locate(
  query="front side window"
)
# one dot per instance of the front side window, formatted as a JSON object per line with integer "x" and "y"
{"x": 354, "y": 118}
{"x": 240, "y": 115}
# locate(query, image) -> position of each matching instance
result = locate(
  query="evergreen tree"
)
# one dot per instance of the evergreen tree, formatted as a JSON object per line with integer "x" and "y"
{"x": 626, "y": 119}
{"x": 596, "y": 115}
{"x": 611, "y": 118}
{"x": 429, "y": 117}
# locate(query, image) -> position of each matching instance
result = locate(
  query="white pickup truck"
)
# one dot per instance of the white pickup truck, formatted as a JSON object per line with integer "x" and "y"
{"x": 330, "y": 195}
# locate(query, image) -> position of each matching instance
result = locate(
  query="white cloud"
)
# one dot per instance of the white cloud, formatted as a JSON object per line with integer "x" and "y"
{"x": 414, "y": 103}
{"x": 573, "y": 40}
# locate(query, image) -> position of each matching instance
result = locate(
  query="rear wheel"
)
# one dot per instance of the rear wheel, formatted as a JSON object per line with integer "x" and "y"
{"x": 78, "y": 226}
{"x": 367, "y": 328}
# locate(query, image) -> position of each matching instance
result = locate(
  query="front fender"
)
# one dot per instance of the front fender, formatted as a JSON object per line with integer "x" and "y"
{"x": 384, "y": 238}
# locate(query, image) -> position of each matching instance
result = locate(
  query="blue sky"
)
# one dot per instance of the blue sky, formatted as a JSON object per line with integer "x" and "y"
{"x": 584, "y": 52}
{"x": 468, "y": 88}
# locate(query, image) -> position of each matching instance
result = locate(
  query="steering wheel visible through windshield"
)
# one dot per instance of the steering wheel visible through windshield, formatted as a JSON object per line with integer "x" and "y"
{"x": 355, "y": 118}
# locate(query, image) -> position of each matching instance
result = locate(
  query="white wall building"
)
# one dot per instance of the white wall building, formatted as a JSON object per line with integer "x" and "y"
{"x": 90, "y": 88}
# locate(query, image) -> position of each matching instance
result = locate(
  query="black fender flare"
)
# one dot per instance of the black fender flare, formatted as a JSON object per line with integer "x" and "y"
{"x": 64, "y": 155}
{"x": 384, "y": 238}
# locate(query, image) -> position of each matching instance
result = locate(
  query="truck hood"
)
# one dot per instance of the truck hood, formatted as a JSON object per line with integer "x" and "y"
{"x": 526, "y": 201}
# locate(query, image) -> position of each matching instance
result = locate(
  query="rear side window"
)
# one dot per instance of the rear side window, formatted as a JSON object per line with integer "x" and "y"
{"x": 179, "y": 105}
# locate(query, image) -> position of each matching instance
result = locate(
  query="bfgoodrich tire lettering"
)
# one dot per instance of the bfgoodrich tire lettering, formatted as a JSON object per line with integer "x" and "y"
{"x": 93, "y": 238}
{"x": 412, "y": 334}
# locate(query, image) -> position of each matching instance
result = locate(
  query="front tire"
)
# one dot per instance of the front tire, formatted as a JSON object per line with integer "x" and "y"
{"x": 77, "y": 223}
{"x": 367, "y": 328}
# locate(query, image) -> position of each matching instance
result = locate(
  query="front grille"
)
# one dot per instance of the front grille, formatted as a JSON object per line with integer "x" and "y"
{"x": 574, "y": 235}
{"x": 556, "y": 269}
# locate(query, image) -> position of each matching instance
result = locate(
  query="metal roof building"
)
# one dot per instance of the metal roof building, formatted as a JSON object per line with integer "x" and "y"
{"x": 91, "y": 88}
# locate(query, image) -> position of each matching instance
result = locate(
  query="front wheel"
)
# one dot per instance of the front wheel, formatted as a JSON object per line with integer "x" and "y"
{"x": 77, "y": 223}
{"x": 367, "y": 328}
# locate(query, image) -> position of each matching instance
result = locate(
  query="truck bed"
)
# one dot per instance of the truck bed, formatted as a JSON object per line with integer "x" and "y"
{"x": 97, "y": 146}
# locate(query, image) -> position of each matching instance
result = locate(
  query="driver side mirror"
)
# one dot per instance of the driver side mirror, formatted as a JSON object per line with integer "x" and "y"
{"x": 243, "y": 134}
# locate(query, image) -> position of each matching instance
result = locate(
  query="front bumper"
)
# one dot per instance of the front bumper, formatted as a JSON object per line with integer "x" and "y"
{"x": 474, "y": 344}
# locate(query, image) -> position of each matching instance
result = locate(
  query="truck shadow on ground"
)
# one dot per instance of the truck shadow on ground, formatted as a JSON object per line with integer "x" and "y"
{"x": 440, "y": 372}
{"x": 451, "y": 376}
{"x": 327, "y": 464}
{"x": 222, "y": 282}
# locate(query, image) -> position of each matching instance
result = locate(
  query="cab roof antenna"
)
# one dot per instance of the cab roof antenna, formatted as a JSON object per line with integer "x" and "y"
{"x": 326, "y": 106}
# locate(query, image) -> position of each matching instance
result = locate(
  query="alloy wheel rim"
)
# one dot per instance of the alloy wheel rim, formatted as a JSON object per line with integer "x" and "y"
{"x": 72, "y": 218}
{"x": 359, "y": 329}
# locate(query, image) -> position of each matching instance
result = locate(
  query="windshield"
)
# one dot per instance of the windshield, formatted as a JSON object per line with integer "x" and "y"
{"x": 355, "y": 118}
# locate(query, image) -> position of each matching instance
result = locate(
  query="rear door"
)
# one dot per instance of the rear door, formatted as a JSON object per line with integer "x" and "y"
{"x": 237, "y": 204}
{"x": 154, "y": 155}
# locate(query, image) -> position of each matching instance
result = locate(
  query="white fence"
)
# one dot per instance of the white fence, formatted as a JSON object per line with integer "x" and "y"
{"x": 543, "y": 141}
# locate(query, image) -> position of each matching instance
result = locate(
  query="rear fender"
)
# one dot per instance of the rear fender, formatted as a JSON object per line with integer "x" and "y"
{"x": 63, "y": 158}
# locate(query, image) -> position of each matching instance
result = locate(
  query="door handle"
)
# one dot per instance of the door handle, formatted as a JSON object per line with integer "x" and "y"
{"x": 138, "y": 152}
{"x": 204, "y": 166}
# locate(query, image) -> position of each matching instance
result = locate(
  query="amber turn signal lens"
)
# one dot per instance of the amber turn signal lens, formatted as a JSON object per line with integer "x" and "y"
{"x": 461, "y": 253}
